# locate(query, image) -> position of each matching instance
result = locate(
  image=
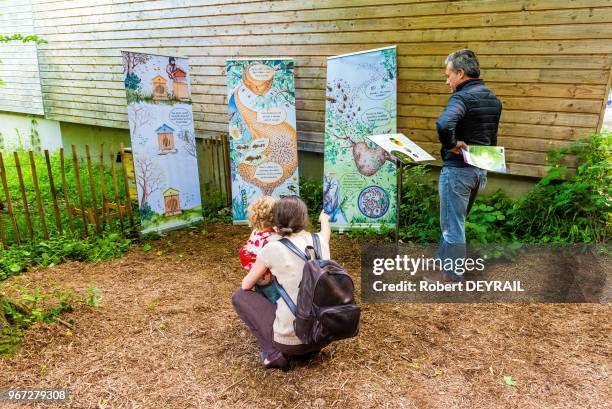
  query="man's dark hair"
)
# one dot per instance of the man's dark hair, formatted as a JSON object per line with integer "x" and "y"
{"x": 290, "y": 215}
{"x": 465, "y": 60}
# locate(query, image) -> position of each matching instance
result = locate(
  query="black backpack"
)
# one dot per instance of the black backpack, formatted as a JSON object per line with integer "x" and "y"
{"x": 326, "y": 309}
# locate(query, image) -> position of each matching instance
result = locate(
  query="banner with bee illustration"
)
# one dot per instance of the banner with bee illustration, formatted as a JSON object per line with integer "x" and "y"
{"x": 359, "y": 183}
{"x": 159, "y": 112}
{"x": 263, "y": 137}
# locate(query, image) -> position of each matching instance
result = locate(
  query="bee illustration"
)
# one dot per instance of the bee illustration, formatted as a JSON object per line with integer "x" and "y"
{"x": 330, "y": 99}
{"x": 292, "y": 188}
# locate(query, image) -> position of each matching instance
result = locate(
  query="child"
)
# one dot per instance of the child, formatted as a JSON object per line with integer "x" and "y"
{"x": 260, "y": 219}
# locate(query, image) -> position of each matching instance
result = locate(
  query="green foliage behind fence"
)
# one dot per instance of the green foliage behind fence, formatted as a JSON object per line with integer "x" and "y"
{"x": 55, "y": 220}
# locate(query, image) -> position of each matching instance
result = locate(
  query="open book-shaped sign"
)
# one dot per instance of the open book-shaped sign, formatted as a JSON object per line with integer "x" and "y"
{"x": 401, "y": 147}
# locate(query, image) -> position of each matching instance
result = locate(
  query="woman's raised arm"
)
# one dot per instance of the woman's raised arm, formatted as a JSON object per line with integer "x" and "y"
{"x": 325, "y": 226}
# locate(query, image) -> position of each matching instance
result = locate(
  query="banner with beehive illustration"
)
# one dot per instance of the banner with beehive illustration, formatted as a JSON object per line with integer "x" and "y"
{"x": 263, "y": 137}
{"x": 163, "y": 140}
{"x": 359, "y": 183}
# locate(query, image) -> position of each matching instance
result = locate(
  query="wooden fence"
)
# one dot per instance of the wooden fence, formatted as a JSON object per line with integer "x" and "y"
{"x": 216, "y": 175}
{"x": 43, "y": 194}
{"x": 59, "y": 192}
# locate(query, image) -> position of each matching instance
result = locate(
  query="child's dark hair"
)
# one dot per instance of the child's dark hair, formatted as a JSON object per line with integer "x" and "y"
{"x": 290, "y": 215}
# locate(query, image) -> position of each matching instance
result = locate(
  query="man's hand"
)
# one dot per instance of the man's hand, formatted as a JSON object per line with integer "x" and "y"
{"x": 457, "y": 149}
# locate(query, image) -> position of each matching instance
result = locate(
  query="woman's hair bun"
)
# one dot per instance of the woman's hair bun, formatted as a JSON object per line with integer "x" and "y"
{"x": 290, "y": 215}
{"x": 285, "y": 231}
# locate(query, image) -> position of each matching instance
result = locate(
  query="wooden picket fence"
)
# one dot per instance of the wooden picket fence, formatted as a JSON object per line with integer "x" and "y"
{"x": 53, "y": 193}
{"x": 217, "y": 168}
{"x": 63, "y": 196}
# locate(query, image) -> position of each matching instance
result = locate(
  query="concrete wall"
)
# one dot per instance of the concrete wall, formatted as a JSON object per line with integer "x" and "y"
{"x": 16, "y": 128}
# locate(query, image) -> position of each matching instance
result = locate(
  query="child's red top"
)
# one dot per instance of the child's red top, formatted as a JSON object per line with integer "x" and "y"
{"x": 250, "y": 249}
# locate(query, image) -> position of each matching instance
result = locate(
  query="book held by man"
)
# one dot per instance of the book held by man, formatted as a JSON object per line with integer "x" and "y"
{"x": 491, "y": 158}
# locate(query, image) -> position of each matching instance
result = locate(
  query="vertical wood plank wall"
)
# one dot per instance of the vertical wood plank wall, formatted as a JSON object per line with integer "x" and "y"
{"x": 18, "y": 62}
{"x": 548, "y": 60}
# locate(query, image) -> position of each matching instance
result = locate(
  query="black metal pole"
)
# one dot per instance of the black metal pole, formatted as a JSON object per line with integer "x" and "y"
{"x": 400, "y": 169}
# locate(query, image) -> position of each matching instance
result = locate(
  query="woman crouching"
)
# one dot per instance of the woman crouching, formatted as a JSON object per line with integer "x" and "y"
{"x": 270, "y": 323}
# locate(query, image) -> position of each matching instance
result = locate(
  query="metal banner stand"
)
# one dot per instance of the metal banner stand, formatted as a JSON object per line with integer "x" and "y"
{"x": 394, "y": 144}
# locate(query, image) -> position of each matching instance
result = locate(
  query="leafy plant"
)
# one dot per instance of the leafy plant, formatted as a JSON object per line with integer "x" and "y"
{"x": 311, "y": 191}
{"x": 60, "y": 248}
{"x": 565, "y": 207}
{"x": 93, "y": 296}
{"x": 36, "y": 306}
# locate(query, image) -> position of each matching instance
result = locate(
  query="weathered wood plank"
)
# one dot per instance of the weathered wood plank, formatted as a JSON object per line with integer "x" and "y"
{"x": 187, "y": 47}
{"x": 218, "y": 26}
{"x": 56, "y": 212}
{"x": 8, "y": 201}
{"x": 41, "y": 209}
{"x": 311, "y": 10}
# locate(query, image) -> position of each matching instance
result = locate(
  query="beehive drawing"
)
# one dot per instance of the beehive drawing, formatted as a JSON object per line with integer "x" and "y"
{"x": 180, "y": 89}
{"x": 172, "y": 204}
{"x": 165, "y": 139}
{"x": 160, "y": 91}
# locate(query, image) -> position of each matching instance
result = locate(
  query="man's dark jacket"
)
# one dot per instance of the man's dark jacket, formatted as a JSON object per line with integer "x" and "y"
{"x": 471, "y": 115}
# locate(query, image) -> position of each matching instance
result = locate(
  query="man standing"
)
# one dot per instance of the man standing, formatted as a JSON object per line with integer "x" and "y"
{"x": 471, "y": 117}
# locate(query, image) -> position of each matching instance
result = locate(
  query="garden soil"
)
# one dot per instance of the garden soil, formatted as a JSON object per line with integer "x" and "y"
{"x": 165, "y": 336}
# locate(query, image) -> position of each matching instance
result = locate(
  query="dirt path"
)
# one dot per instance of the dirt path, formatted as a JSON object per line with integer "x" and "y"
{"x": 166, "y": 336}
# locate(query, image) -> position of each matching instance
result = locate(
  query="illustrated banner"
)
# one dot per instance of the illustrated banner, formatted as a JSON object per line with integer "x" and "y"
{"x": 359, "y": 185}
{"x": 607, "y": 120}
{"x": 263, "y": 137}
{"x": 163, "y": 140}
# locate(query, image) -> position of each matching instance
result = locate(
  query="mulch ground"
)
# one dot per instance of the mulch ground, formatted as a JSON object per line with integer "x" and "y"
{"x": 165, "y": 336}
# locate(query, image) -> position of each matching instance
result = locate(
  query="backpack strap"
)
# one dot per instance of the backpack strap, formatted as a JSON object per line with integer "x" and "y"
{"x": 317, "y": 245}
{"x": 284, "y": 295}
{"x": 289, "y": 244}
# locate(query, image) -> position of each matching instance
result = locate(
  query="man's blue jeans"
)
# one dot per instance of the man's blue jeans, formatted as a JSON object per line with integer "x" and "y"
{"x": 458, "y": 188}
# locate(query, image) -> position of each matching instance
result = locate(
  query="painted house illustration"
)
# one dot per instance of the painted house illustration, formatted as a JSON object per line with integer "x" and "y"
{"x": 172, "y": 203}
{"x": 180, "y": 89}
{"x": 160, "y": 90}
{"x": 165, "y": 139}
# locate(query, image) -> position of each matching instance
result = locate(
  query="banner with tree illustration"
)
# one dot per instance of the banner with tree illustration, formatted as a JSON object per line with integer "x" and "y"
{"x": 359, "y": 184}
{"x": 263, "y": 137}
{"x": 163, "y": 140}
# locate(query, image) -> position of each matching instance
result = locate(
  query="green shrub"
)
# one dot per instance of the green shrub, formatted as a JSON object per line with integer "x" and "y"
{"x": 566, "y": 207}
{"x": 61, "y": 248}
{"x": 311, "y": 191}
{"x": 215, "y": 209}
